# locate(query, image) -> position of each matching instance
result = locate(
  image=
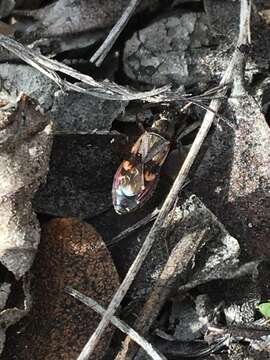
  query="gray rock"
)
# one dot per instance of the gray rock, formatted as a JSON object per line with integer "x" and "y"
{"x": 170, "y": 50}
{"x": 191, "y": 319}
{"x": 16, "y": 78}
{"x": 194, "y": 48}
{"x": 72, "y": 112}
{"x": 223, "y": 20}
{"x": 67, "y": 24}
{"x": 6, "y": 6}
{"x": 80, "y": 177}
{"x": 76, "y": 112}
{"x": 67, "y": 17}
{"x": 234, "y": 177}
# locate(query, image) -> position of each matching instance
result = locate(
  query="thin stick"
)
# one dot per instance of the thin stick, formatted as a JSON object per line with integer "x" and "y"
{"x": 175, "y": 350}
{"x": 247, "y": 333}
{"x": 131, "y": 229}
{"x": 121, "y": 325}
{"x": 177, "y": 263}
{"x": 104, "y": 49}
{"x": 168, "y": 203}
{"x": 189, "y": 129}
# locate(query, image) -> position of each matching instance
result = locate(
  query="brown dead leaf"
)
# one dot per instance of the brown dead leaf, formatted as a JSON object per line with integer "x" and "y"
{"x": 25, "y": 144}
{"x": 6, "y": 29}
{"x": 71, "y": 253}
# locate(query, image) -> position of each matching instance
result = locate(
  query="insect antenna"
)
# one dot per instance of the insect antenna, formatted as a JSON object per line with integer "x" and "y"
{"x": 197, "y": 100}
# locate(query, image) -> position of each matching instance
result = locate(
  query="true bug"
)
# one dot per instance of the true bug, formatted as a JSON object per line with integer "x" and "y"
{"x": 137, "y": 177}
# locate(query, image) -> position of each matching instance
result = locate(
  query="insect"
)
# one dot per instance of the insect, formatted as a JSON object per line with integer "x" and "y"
{"x": 137, "y": 177}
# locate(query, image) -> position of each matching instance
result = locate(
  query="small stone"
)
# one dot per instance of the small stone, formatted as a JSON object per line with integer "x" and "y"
{"x": 6, "y": 6}
{"x": 75, "y": 112}
{"x": 170, "y": 50}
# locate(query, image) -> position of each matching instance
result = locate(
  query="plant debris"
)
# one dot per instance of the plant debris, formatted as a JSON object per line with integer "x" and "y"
{"x": 191, "y": 244}
{"x": 25, "y": 144}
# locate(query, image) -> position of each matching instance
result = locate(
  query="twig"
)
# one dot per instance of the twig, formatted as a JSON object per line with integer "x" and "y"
{"x": 189, "y": 129}
{"x": 131, "y": 229}
{"x": 121, "y": 325}
{"x": 104, "y": 49}
{"x": 243, "y": 39}
{"x": 174, "y": 192}
{"x": 178, "y": 261}
{"x": 146, "y": 220}
{"x": 246, "y": 333}
{"x": 175, "y": 349}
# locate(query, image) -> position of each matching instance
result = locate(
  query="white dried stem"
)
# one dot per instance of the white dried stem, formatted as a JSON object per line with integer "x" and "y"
{"x": 121, "y": 325}
{"x": 102, "y": 89}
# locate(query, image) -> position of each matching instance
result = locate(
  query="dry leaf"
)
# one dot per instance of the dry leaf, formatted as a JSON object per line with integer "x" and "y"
{"x": 25, "y": 144}
{"x": 71, "y": 253}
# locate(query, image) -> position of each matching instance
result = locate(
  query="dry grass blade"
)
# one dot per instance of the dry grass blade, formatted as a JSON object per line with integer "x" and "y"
{"x": 134, "y": 227}
{"x": 104, "y": 89}
{"x": 104, "y": 49}
{"x": 211, "y": 349}
{"x": 174, "y": 192}
{"x": 154, "y": 354}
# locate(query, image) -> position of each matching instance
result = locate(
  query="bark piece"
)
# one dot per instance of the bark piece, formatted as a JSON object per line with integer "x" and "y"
{"x": 6, "y": 29}
{"x": 4, "y": 293}
{"x": 223, "y": 20}
{"x": 223, "y": 17}
{"x": 70, "y": 254}
{"x": 219, "y": 257}
{"x": 25, "y": 144}
{"x": 11, "y": 315}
